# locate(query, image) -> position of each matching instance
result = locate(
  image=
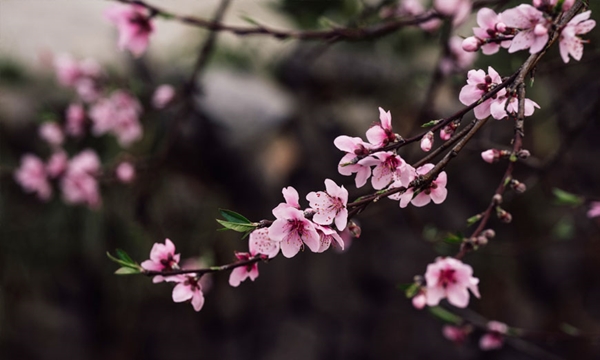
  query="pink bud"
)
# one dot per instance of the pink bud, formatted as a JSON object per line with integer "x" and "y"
{"x": 447, "y": 131}
{"x": 537, "y": 3}
{"x": 419, "y": 301}
{"x": 427, "y": 142}
{"x": 471, "y": 44}
{"x": 163, "y": 96}
{"x": 540, "y": 30}
{"x": 51, "y": 133}
{"x": 125, "y": 172}
{"x": 490, "y": 156}
{"x": 501, "y": 27}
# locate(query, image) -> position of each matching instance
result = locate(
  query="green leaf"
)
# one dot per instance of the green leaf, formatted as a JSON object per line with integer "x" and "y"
{"x": 250, "y": 20}
{"x": 565, "y": 198}
{"x": 232, "y": 216}
{"x": 564, "y": 229}
{"x": 126, "y": 263}
{"x": 454, "y": 238}
{"x": 445, "y": 315}
{"x": 570, "y": 329}
{"x": 239, "y": 227}
{"x": 412, "y": 290}
{"x": 165, "y": 16}
{"x": 127, "y": 271}
{"x": 473, "y": 219}
{"x": 431, "y": 123}
{"x": 124, "y": 256}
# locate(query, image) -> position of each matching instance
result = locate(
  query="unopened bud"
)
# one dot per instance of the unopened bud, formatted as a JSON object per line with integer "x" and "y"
{"x": 504, "y": 215}
{"x": 447, "y": 131}
{"x": 471, "y": 44}
{"x": 427, "y": 141}
{"x": 497, "y": 199}
{"x": 418, "y": 279}
{"x": 501, "y": 27}
{"x": 354, "y": 229}
{"x": 540, "y": 30}
{"x": 490, "y": 156}
{"x": 481, "y": 240}
{"x": 523, "y": 154}
{"x": 518, "y": 186}
{"x": 419, "y": 301}
{"x": 489, "y": 233}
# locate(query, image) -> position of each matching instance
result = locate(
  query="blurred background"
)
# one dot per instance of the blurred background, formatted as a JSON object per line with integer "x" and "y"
{"x": 265, "y": 117}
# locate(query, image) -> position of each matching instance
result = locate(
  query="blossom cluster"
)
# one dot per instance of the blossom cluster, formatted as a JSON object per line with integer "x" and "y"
{"x": 528, "y": 27}
{"x": 387, "y": 169}
{"x": 492, "y": 339}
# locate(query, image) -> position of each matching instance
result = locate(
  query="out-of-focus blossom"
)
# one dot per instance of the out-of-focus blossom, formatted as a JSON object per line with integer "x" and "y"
{"x": 420, "y": 300}
{"x": 457, "y": 9}
{"x": 330, "y": 205}
{"x": 162, "y": 96}
{"x": 450, "y": 278}
{"x": 134, "y": 26}
{"x": 494, "y": 338}
{"x": 79, "y": 184}
{"x": 594, "y": 210}
{"x": 57, "y": 164}
{"x": 32, "y": 177}
{"x": 125, "y": 172}
{"x": 458, "y": 59}
{"x": 51, "y": 133}
{"x": 83, "y": 76}
{"x": 456, "y": 334}
{"x": 162, "y": 258}
{"x": 570, "y": 43}
{"x": 118, "y": 114}
{"x": 75, "y": 115}
{"x": 242, "y": 273}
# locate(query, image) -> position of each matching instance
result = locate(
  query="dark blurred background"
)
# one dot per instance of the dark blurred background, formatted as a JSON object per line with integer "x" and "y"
{"x": 266, "y": 118}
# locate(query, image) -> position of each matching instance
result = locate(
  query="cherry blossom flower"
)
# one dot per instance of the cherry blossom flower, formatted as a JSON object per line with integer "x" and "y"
{"x": 79, "y": 184}
{"x": 412, "y": 8}
{"x": 75, "y": 120}
{"x": 450, "y": 278}
{"x": 380, "y": 135}
{"x": 427, "y": 141}
{"x": 330, "y": 206}
{"x": 548, "y": 5}
{"x": 32, "y": 177}
{"x": 326, "y": 235}
{"x": 134, "y": 26}
{"x": 354, "y": 147}
{"x": 83, "y": 76}
{"x": 490, "y": 27}
{"x": 494, "y": 338}
{"x": 162, "y": 96}
{"x": 292, "y": 229}
{"x": 456, "y": 334}
{"x": 189, "y": 288}
{"x": 490, "y": 156}
{"x": 51, "y": 133}
{"x": 435, "y": 191}
{"x": 57, "y": 164}
{"x": 389, "y": 167}
{"x": 162, "y": 258}
{"x": 533, "y": 28}
{"x": 125, "y": 172}
{"x": 594, "y": 210}
{"x": 242, "y": 273}
{"x": 570, "y": 43}
{"x": 502, "y": 104}
{"x": 447, "y": 131}
{"x": 260, "y": 243}
{"x": 479, "y": 84}
{"x": 117, "y": 114}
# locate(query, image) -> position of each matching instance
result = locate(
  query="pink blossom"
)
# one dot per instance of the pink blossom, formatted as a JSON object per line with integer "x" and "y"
{"x": 293, "y": 230}
{"x": 189, "y": 288}
{"x": 419, "y": 301}
{"x": 594, "y": 210}
{"x": 125, "y": 172}
{"x": 413, "y": 8}
{"x": 242, "y": 273}
{"x": 79, "y": 184}
{"x": 57, "y": 164}
{"x": 450, "y": 278}
{"x": 326, "y": 235}
{"x": 435, "y": 191}
{"x": 479, "y": 84}
{"x": 459, "y": 10}
{"x": 83, "y": 76}
{"x": 51, "y": 133}
{"x": 380, "y": 135}
{"x": 499, "y": 106}
{"x": 75, "y": 120}
{"x": 32, "y": 177}
{"x": 447, "y": 131}
{"x": 548, "y": 5}
{"x": 351, "y": 162}
{"x": 163, "y": 96}
{"x": 427, "y": 141}
{"x": 490, "y": 27}
{"x": 330, "y": 206}
{"x": 533, "y": 28}
{"x": 117, "y": 114}
{"x": 458, "y": 58}
{"x": 490, "y": 156}
{"x": 134, "y": 26}
{"x": 67, "y": 69}
{"x": 494, "y": 338}
{"x": 455, "y": 334}
{"x": 570, "y": 43}
{"x": 162, "y": 258}
{"x": 389, "y": 167}
{"x": 260, "y": 243}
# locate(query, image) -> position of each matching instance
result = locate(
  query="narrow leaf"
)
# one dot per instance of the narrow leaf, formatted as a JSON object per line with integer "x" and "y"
{"x": 124, "y": 256}
{"x": 445, "y": 315}
{"x": 237, "y": 226}
{"x": 565, "y": 198}
{"x": 454, "y": 238}
{"x": 127, "y": 271}
{"x": 430, "y": 123}
{"x": 234, "y": 217}
{"x": 473, "y": 219}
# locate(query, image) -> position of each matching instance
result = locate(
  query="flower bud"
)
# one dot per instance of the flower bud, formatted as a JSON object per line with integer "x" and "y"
{"x": 481, "y": 241}
{"x": 497, "y": 199}
{"x": 504, "y": 215}
{"x": 540, "y": 30}
{"x": 523, "y": 154}
{"x": 125, "y": 172}
{"x": 447, "y": 131}
{"x": 501, "y": 27}
{"x": 471, "y": 44}
{"x": 489, "y": 233}
{"x": 354, "y": 229}
{"x": 490, "y": 156}
{"x": 419, "y": 301}
{"x": 518, "y": 186}
{"x": 427, "y": 141}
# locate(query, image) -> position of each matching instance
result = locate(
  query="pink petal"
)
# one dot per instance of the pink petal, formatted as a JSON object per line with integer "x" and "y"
{"x": 439, "y": 195}
{"x": 421, "y": 199}
{"x": 198, "y": 300}
{"x": 457, "y": 296}
{"x": 434, "y": 295}
{"x": 182, "y": 293}
{"x": 279, "y": 230}
{"x": 238, "y": 275}
{"x": 290, "y": 246}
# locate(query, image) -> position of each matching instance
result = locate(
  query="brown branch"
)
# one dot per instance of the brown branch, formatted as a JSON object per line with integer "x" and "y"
{"x": 212, "y": 269}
